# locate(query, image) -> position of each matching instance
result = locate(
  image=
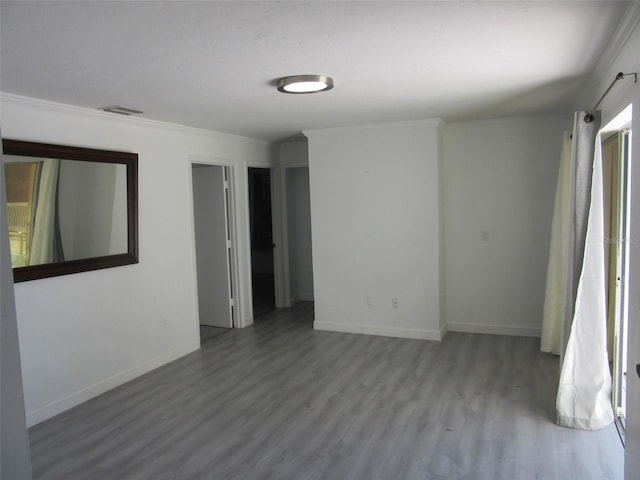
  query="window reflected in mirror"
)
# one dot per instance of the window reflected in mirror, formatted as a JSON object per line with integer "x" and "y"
{"x": 20, "y": 179}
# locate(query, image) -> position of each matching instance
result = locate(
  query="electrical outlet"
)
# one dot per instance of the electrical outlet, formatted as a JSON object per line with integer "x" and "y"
{"x": 395, "y": 302}
{"x": 369, "y": 299}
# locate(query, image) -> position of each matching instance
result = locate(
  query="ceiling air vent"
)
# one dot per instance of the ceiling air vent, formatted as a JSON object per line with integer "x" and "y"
{"x": 120, "y": 110}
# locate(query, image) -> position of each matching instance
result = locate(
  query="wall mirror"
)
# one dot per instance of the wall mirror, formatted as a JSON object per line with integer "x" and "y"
{"x": 70, "y": 209}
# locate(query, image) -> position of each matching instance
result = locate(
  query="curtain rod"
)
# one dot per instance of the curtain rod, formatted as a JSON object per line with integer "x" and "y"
{"x": 589, "y": 117}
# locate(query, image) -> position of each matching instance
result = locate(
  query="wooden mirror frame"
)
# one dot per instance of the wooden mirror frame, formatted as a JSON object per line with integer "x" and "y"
{"x": 130, "y": 160}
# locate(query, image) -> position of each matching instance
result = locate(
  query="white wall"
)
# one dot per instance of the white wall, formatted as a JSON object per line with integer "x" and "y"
{"x": 622, "y": 56}
{"x": 299, "y": 226}
{"x": 82, "y": 334}
{"x": 375, "y": 228}
{"x": 499, "y": 179}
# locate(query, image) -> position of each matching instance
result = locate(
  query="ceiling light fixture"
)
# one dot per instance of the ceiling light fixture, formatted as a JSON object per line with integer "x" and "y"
{"x": 305, "y": 84}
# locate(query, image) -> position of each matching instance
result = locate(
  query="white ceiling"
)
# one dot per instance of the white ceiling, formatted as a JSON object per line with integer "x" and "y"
{"x": 212, "y": 64}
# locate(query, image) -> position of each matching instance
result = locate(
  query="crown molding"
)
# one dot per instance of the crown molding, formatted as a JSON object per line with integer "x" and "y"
{"x": 629, "y": 23}
{"x": 19, "y": 100}
{"x": 433, "y": 123}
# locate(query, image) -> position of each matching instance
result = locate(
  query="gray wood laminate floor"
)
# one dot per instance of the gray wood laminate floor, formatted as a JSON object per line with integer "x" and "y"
{"x": 208, "y": 332}
{"x": 278, "y": 400}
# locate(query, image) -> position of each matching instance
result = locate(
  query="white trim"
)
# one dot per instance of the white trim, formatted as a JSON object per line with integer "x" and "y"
{"x": 43, "y": 413}
{"x": 381, "y": 330}
{"x": 242, "y": 229}
{"x": 629, "y": 23}
{"x": 244, "y": 245}
{"x": 426, "y": 122}
{"x": 304, "y": 297}
{"x": 99, "y": 114}
{"x": 235, "y": 293}
{"x": 279, "y": 228}
{"x": 443, "y": 330}
{"x": 493, "y": 329}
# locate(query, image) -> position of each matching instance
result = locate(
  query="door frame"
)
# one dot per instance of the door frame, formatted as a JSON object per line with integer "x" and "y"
{"x": 280, "y": 237}
{"x": 238, "y": 275}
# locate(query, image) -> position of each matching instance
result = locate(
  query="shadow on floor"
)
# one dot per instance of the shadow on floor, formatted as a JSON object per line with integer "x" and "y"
{"x": 207, "y": 332}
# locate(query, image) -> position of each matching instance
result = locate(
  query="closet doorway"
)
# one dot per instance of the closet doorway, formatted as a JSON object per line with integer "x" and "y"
{"x": 298, "y": 213}
{"x": 261, "y": 231}
{"x": 214, "y": 238}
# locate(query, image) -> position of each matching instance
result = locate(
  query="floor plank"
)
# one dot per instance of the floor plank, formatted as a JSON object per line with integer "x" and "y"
{"x": 280, "y": 400}
{"x": 207, "y": 332}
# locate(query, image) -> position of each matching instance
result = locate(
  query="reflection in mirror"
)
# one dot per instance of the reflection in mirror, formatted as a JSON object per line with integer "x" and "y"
{"x": 64, "y": 209}
{"x": 69, "y": 209}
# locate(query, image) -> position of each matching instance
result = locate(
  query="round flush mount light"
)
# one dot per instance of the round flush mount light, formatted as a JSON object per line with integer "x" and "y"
{"x": 305, "y": 84}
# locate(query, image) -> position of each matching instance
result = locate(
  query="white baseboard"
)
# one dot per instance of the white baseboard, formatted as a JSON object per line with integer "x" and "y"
{"x": 54, "y": 408}
{"x": 443, "y": 331}
{"x": 493, "y": 329}
{"x": 382, "y": 330}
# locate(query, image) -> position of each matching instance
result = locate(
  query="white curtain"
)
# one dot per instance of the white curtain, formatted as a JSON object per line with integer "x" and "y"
{"x": 574, "y": 322}
{"x": 44, "y": 243}
{"x": 584, "y": 393}
{"x": 556, "y": 298}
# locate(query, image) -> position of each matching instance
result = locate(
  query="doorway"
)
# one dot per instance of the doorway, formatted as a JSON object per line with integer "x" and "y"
{"x": 299, "y": 235}
{"x": 261, "y": 233}
{"x": 214, "y": 248}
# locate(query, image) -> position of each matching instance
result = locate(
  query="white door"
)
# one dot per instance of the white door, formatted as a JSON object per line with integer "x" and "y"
{"x": 213, "y": 244}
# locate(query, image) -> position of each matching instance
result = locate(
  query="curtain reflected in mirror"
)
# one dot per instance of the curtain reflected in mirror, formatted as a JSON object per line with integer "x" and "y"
{"x": 69, "y": 209}
{"x": 46, "y": 244}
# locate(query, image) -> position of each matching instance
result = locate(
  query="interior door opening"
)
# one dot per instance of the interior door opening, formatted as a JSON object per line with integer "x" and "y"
{"x": 214, "y": 248}
{"x": 298, "y": 213}
{"x": 260, "y": 218}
